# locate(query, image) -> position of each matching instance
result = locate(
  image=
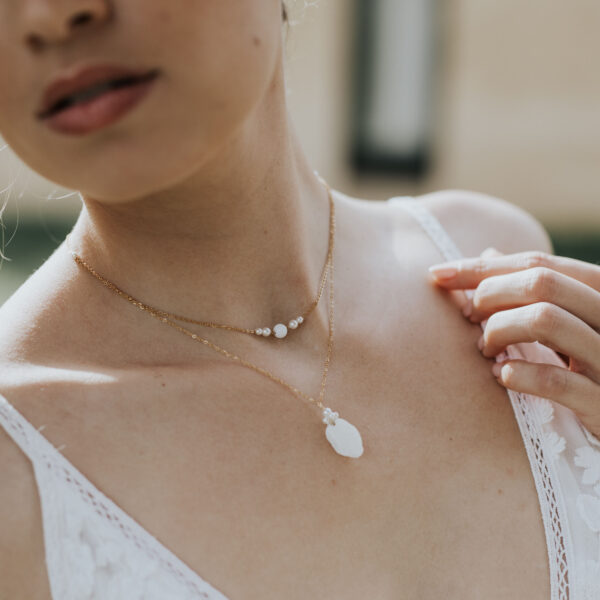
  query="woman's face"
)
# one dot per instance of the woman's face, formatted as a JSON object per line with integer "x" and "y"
{"x": 216, "y": 60}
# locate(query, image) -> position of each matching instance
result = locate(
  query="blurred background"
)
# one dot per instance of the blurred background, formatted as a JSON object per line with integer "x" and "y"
{"x": 403, "y": 97}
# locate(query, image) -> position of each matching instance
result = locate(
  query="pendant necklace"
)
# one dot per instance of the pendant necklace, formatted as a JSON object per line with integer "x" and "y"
{"x": 342, "y": 435}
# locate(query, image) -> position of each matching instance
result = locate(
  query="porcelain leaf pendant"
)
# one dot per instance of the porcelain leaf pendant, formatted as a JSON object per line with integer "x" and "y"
{"x": 342, "y": 435}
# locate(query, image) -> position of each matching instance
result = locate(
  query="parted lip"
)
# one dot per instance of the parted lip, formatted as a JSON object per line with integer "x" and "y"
{"x": 81, "y": 77}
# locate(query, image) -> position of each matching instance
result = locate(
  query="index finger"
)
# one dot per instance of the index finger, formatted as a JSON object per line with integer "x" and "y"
{"x": 470, "y": 271}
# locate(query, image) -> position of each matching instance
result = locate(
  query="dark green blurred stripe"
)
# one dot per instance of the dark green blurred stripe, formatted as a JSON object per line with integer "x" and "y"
{"x": 34, "y": 241}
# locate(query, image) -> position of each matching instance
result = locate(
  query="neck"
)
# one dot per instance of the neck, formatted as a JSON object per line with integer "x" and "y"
{"x": 242, "y": 241}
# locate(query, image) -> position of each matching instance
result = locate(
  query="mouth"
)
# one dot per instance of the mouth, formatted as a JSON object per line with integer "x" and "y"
{"x": 94, "y": 91}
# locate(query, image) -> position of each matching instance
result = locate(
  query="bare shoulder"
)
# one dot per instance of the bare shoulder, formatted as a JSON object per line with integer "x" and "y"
{"x": 28, "y": 328}
{"x": 22, "y": 572}
{"x": 477, "y": 220}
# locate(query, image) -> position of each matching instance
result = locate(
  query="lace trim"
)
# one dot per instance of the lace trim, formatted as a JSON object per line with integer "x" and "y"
{"x": 431, "y": 225}
{"x": 46, "y": 457}
{"x": 559, "y": 544}
{"x": 552, "y": 504}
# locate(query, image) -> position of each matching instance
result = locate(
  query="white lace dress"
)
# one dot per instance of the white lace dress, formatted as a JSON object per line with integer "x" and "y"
{"x": 95, "y": 551}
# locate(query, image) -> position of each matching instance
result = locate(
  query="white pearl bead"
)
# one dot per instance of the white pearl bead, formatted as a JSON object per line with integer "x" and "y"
{"x": 293, "y": 324}
{"x": 280, "y": 330}
{"x": 259, "y": 332}
{"x": 266, "y": 332}
{"x": 300, "y": 319}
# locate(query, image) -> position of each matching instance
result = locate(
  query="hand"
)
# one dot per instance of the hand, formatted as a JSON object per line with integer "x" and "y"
{"x": 536, "y": 296}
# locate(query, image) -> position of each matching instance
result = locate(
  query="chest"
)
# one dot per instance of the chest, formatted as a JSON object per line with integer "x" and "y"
{"x": 234, "y": 474}
{"x": 239, "y": 481}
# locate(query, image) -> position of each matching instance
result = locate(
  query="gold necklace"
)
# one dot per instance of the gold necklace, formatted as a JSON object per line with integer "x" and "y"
{"x": 279, "y": 330}
{"x": 341, "y": 434}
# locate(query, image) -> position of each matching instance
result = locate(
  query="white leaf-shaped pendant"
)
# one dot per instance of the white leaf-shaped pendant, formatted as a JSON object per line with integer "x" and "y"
{"x": 342, "y": 435}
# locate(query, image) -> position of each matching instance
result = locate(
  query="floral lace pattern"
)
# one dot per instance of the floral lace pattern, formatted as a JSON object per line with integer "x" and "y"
{"x": 588, "y": 505}
{"x": 588, "y": 578}
{"x": 94, "y": 550}
{"x": 97, "y": 561}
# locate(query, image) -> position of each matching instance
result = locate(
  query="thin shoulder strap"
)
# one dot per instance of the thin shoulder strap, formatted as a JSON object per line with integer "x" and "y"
{"x": 430, "y": 225}
{"x": 24, "y": 434}
{"x": 47, "y": 460}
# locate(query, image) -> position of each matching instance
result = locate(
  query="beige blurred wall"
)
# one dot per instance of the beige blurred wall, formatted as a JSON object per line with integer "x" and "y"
{"x": 518, "y": 112}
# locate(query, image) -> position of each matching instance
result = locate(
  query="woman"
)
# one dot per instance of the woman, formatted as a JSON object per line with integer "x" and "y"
{"x": 166, "y": 470}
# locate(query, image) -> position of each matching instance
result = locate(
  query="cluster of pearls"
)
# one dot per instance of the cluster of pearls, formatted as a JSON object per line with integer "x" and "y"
{"x": 279, "y": 330}
{"x": 329, "y": 416}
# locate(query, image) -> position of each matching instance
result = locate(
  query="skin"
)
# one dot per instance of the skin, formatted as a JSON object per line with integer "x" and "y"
{"x": 219, "y": 215}
{"x": 225, "y": 157}
{"x": 532, "y": 296}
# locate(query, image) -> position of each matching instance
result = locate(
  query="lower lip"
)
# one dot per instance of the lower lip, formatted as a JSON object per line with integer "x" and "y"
{"x": 100, "y": 111}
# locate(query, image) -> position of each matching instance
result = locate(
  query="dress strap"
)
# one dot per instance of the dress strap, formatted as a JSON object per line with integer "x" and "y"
{"x": 430, "y": 225}
{"x": 24, "y": 434}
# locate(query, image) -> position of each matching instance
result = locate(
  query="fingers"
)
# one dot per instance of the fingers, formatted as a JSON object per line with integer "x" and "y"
{"x": 572, "y": 390}
{"x": 462, "y": 298}
{"x": 539, "y": 284}
{"x": 470, "y": 271}
{"x": 535, "y": 296}
{"x": 548, "y": 324}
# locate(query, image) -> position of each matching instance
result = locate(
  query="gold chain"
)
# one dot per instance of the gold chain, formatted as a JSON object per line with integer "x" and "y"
{"x": 300, "y": 319}
{"x": 163, "y": 315}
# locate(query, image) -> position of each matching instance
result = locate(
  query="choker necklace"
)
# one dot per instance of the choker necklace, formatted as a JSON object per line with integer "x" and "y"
{"x": 344, "y": 437}
{"x": 280, "y": 330}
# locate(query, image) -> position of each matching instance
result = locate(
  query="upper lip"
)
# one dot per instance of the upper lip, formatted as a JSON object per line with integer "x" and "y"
{"x": 81, "y": 77}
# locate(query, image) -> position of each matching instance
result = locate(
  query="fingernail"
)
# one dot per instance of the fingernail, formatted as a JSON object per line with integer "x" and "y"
{"x": 467, "y": 309}
{"x": 480, "y": 342}
{"x": 443, "y": 272}
{"x": 496, "y": 368}
{"x": 491, "y": 251}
